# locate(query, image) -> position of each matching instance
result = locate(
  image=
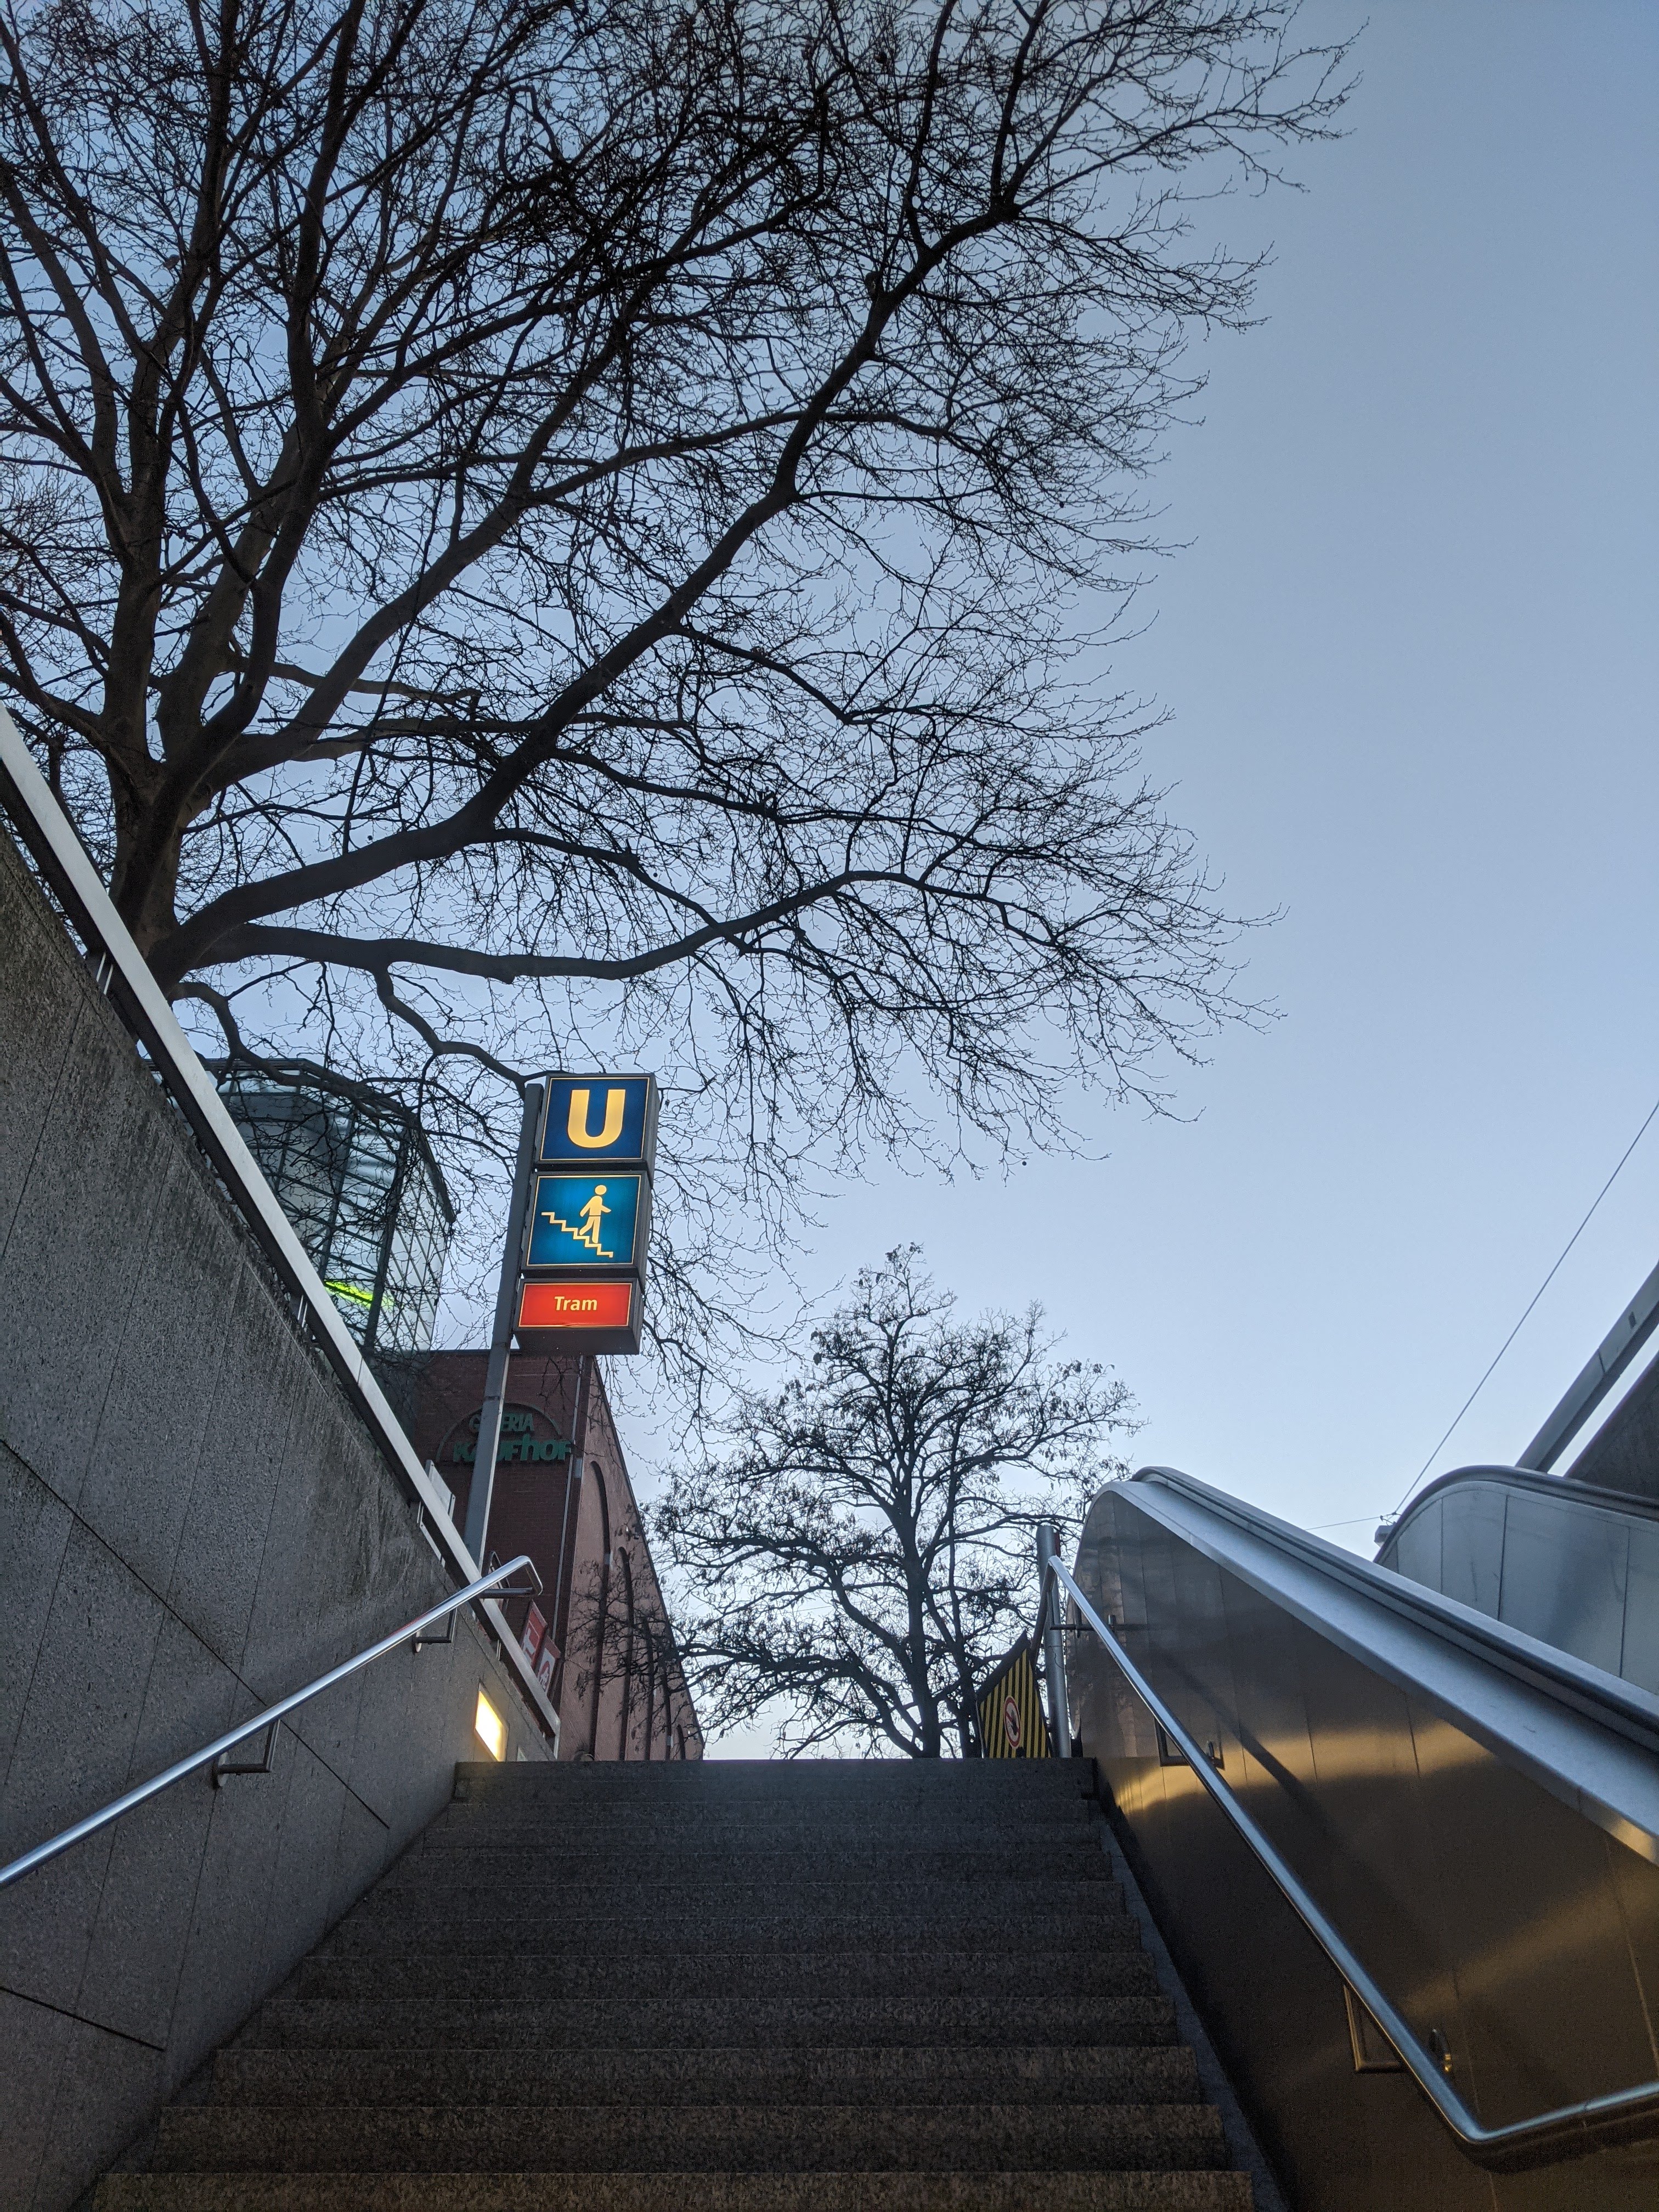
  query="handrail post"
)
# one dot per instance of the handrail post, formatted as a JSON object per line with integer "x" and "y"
{"x": 501, "y": 1337}
{"x": 1053, "y": 1644}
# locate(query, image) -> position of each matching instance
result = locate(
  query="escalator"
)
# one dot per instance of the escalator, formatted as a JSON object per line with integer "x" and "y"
{"x": 1577, "y": 1568}
{"x": 1432, "y": 1780}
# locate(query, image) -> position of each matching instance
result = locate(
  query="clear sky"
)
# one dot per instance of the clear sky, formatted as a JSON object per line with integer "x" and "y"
{"x": 1409, "y": 652}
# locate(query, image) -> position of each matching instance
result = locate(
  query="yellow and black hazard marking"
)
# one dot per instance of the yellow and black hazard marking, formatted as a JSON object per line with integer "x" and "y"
{"x": 1011, "y": 1722}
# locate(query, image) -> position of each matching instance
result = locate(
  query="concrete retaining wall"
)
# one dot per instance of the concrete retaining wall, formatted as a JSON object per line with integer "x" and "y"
{"x": 192, "y": 1523}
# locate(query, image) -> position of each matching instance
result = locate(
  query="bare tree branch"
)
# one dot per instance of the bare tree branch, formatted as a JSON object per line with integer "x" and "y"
{"x": 606, "y": 512}
{"x": 864, "y": 1549}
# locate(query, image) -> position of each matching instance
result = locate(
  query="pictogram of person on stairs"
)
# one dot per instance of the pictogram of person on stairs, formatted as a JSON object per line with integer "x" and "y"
{"x": 591, "y": 1218}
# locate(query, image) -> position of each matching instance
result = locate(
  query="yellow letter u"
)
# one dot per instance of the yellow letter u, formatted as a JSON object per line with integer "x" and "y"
{"x": 615, "y": 1102}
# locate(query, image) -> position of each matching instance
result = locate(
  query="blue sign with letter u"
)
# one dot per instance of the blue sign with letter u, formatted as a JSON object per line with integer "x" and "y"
{"x": 599, "y": 1118}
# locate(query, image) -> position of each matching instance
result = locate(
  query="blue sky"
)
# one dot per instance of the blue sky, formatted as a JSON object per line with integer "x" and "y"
{"x": 1408, "y": 652}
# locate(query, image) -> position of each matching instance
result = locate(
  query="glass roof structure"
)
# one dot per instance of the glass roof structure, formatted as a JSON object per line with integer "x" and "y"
{"x": 354, "y": 1173}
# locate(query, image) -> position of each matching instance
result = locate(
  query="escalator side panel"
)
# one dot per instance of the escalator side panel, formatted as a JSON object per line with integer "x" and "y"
{"x": 1271, "y": 2002}
{"x": 1554, "y": 1996}
{"x": 1471, "y": 1567}
{"x": 1577, "y": 1730}
{"x": 1564, "y": 1577}
{"x": 1490, "y": 1910}
{"x": 1418, "y": 1550}
{"x": 1640, "y": 1660}
{"x": 1579, "y": 1572}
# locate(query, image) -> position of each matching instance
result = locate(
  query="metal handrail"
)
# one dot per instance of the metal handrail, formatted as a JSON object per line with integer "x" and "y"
{"x": 271, "y": 1718}
{"x": 1567, "y": 2131}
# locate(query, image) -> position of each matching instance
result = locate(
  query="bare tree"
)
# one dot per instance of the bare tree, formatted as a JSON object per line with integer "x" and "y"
{"x": 865, "y": 1549}
{"x": 530, "y": 527}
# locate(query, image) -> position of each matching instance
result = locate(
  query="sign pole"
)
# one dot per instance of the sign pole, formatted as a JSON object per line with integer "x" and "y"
{"x": 572, "y": 1496}
{"x": 500, "y": 1339}
{"x": 1053, "y": 1645}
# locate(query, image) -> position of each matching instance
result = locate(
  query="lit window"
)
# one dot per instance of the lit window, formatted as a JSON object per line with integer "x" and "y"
{"x": 489, "y": 1727}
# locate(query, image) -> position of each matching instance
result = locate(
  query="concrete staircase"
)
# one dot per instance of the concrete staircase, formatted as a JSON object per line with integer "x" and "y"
{"x": 880, "y": 1986}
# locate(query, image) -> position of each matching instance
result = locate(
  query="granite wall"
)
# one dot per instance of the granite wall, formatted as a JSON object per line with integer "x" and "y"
{"x": 193, "y": 1522}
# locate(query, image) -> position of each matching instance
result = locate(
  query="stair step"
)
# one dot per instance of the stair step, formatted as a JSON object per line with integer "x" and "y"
{"x": 706, "y": 1799}
{"x": 717, "y": 2138}
{"x": 917, "y": 1970}
{"x": 1208, "y": 2191}
{"x": 568, "y": 1939}
{"x": 940, "y": 1819}
{"x": 738, "y": 1887}
{"x": 827, "y": 1987}
{"x": 740, "y": 1783}
{"x": 701, "y": 1942}
{"x": 926, "y": 2073}
{"x": 1050, "y": 1919}
{"x": 1135, "y": 2017}
{"x": 645, "y": 1805}
{"x": 860, "y": 1780}
{"x": 990, "y": 1796}
{"x": 890, "y": 1833}
{"x": 744, "y": 1857}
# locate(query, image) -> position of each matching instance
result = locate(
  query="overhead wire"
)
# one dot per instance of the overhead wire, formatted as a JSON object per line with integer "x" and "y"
{"x": 1652, "y": 1111}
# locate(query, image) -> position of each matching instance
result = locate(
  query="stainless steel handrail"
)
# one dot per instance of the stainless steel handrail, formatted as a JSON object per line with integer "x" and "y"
{"x": 271, "y": 1718}
{"x": 1567, "y": 2131}
{"x": 50, "y": 838}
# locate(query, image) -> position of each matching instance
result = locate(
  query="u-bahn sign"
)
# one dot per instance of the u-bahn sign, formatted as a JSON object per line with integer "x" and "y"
{"x": 600, "y": 1120}
{"x": 590, "y": 1215}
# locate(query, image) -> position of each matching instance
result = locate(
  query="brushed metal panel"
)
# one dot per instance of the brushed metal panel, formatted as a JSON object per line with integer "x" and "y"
{"x": 1577, "y": 1730}
{"x": 1564, "y": 1577}
{"x": 1341, "y": 2141}
{"x": 1490, "y": 1908}
{"x": 1376, "y": 1871}
{"x": 1416, "y": 1547}
{"x": 1639, "y": 1659}
{"x": 1550, "y": 2008}
{"x": 1279, "y": 1769}
{"x": 1471, "y": 1546}
{"x": 1638, "y": 1896}
{"x": 1197, "y": 1651}
{"x": 1571, "y": 1600}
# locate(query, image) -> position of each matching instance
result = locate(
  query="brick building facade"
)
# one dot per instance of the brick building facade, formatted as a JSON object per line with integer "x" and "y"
{"x": 599, "y": 1635}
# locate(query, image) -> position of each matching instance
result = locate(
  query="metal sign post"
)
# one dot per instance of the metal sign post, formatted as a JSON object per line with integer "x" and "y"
{"x": 564, "y": 1582}
{"x": 501, "y": 1337}
{"x": 1053, "y": 1644}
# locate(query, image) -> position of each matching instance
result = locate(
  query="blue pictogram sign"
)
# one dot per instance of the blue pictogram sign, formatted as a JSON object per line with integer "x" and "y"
{"x": 586, "y": 1221}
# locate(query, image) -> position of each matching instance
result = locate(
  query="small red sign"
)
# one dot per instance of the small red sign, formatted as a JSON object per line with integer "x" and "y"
{"x": 535, "y": 1628}
{"x": 576, "y": 1305}
{"x": 1010, "y": 1721}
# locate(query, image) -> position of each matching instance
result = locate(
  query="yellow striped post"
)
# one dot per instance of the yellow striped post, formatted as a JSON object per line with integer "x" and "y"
{"x": 1011, "y": 1722}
